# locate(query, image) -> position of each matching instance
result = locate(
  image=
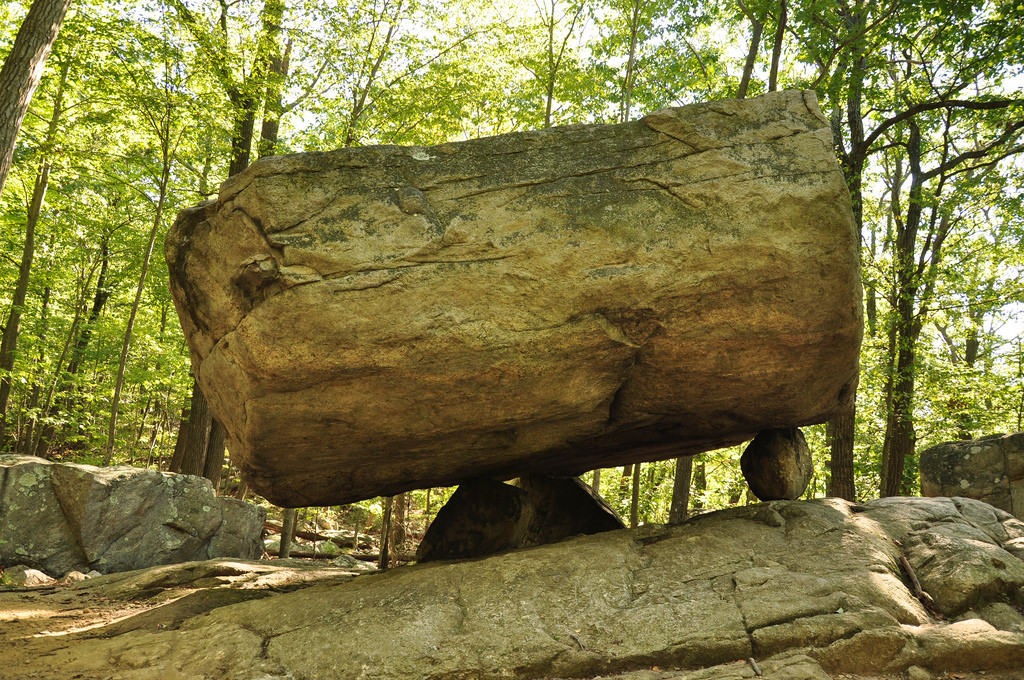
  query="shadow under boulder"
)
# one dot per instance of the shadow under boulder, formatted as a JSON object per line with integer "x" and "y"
{"x": 485, "y": 516}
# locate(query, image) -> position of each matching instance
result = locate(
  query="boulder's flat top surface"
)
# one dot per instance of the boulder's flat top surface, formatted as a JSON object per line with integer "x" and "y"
{"x": 811, "y": 590}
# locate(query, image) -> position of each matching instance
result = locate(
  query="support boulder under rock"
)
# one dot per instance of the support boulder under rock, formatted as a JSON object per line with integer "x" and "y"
{"x": 372, "y": 320}
{"x": 60, "y": 517}
{"x": 777, "y": 464}
{"x": 485, "y": 516}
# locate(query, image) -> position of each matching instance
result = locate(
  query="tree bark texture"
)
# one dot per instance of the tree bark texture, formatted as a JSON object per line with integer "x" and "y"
{"x": 680, "y": 505}
{"x": 197, "y": 434}
{"x": 288, "y": 526}
{"x": 840, "y": 436}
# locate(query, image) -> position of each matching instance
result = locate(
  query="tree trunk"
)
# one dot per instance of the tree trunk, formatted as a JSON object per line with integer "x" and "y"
{"x": 700, "y": 482}
{"x": 898, "y": 445}
{"x": 196, "y": 434}
{"x": 287, "y": 532}
{"x": 22, "y": 70}
{"x": 385, "y": 534}
{"x": 9, "y": 342}
{"x": 843, "y": 426}
{"x": 213, "y": 461}
{"x": 596, "y": 483}
{"x": 634, "y": 504}
{"x": 680, "y": 506}
{"x": 627, "y": 90}
{"x": 178, "y": 457}
{"x": 25, "y": 438}
{"x": 401, "y": 513}
{"x": 757, "y": 28}
{"x": 119, "y": 381}
{"x": 100, "y": 298}
{"x": 277, "y": 73}
{"x": 840, "y": 432}
{"x": 780, "y": 32}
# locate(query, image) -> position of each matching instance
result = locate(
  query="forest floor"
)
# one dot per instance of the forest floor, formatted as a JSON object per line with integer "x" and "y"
{"x": 37, "y": 624}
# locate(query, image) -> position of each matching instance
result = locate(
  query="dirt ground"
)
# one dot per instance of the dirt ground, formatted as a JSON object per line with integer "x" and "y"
{"x": 37, "y": 623}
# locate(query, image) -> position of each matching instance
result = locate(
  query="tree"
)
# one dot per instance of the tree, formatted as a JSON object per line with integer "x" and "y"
{"x": 9, "y": 342}
{"x": 159, "y": 111}
{"x": 22, "y": 70}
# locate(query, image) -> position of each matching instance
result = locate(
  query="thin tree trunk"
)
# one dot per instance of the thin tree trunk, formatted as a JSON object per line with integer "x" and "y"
{"x": 627, "y": 90}
{"x": 22, "y": 70}
{"x": 680, "y": 506}
{"x": 699, "y": 486}
{"x": 287, "y": 532}
{"x": 9, "y": 342}
{"x": 25, "y": 438}
{"x": 119, "y": 381}
{"x": 277, "y": 73}
{"x": 757, "y": 28}
{"x": 634, "y": 505}
{"x": 596, "y": 483}
{"x": 399, "y": 530}
{"x": 77, "y": 351}
{"x": 780, "y": 32}
{"x": 384, "y": 562}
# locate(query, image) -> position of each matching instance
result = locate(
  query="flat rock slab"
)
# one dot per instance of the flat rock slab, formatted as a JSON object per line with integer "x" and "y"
{"x": 814, "y": 587}
{"x": 378, "y": 319}
{"x": 59, "y": 517}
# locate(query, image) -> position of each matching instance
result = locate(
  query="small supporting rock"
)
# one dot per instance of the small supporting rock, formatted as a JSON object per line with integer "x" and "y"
{"x": 777, "y": 464}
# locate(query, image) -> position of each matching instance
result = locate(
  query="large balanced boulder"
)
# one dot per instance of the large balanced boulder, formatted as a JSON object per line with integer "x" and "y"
{"x": 815, "y": 586}
{"x": 377, "y": 319}
{"x": 60, "y": 517}
{"x": 990, "y": 469}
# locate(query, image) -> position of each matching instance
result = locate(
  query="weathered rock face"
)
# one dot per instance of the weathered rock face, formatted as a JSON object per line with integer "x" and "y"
{"x": 59, "y": 517}
{"x": 372, "y": 320}
{"x": 817, "y": 581}
{"x": 777, "y": 464}
{"x": 990, "y": 469}
{"x": 485, "y": 516}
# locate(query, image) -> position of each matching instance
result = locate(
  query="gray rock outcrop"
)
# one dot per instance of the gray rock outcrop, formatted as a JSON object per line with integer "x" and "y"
{"x": 990, "y": 469}
{"x": 812, "y": 586}
{"x": 378, "y": 319}
{"x": 484, "y": 516}
{"x": 59, "y": 517}
{"x": 777, "y": 464}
